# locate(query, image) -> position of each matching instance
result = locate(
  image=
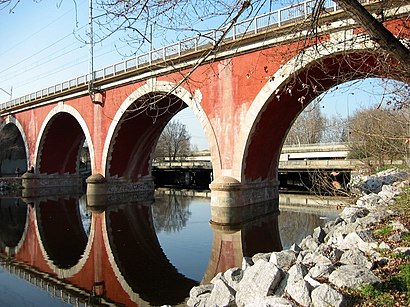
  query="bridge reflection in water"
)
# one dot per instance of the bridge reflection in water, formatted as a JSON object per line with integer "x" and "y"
{"x": 113, "y": 254}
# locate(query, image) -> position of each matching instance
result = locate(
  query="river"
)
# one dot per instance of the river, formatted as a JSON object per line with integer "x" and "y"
{"x": 59, "y": 252}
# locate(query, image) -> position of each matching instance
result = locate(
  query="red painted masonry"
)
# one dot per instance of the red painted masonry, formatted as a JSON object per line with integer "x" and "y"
{"x": 245, "y": 100}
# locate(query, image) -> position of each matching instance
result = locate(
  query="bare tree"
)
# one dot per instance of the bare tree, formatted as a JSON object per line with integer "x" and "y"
{"x": 174, "y": 142}
{"x": 308, "y": 127}
{"x": 335, "y": 130}
{"x": 378, "y": 135}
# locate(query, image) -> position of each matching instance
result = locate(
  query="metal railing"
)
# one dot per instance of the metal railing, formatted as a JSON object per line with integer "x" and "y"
{"x": 241, "y": 29}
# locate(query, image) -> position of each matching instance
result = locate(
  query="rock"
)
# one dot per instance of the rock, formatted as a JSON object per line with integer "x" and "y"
{"x": 311, "y": 281}
{"x": 356, "y": 256}
{"x": 384, "y": 245}
{"x": 296, "y": 248}
{"x": 352, "y": 276}
{"x": 309, "y": 243}
{"x": 397, "y": 225}
{"x": 330, "y": 252}
{"x": 388, "y": 193}
{"x": 397, "y": 237}
{"x": 319, "y": 234}
{"x": 368, "y": 201}
{"x": 297, "y": 288}
{"x": 233, "y": 276}
{"x": 364, "y": 240}
{"x": 246, "y": 263}
{"x": 325, "y": 296}
{"x": 351, "y": 214}
{"x": 314, "y": 258}
{"x": 221, "y": 295}
{"x": 257, "y": 282}
{"x": 372, "y": 185}
{"x": 199, "y": 295}
{"x": 271, "y": 301}
{"x": 283, "y": 259}
{"x": 199, "y": 290}
{"x": 402, "y": 250}
{"x": 321, "y": 271}
{"x": 263, "y": 256}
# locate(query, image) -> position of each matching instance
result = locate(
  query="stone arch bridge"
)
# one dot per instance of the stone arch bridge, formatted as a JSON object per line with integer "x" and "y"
{"x": 246, "y": 94}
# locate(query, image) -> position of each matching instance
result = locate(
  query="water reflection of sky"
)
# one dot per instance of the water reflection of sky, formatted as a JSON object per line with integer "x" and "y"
{"x": 189, "y": 248}
{"x": 17, "y": 292}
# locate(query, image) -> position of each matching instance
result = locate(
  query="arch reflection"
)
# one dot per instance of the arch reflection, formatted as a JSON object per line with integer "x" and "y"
{"x": 13, "y": 222}
{"x": 140, "y": 258}
{"x": 61, "y": 231}
{"x": 113, "y": 254}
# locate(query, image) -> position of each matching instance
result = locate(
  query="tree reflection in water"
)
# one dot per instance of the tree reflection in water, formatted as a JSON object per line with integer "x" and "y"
{"x": 171, "y": 213}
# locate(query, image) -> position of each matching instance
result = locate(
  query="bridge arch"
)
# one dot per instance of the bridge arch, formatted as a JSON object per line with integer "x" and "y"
{"x": 12, "y": 121}
{"x": 281, "y": 100}
{"x": 138, "y": 165}
{"x": 62, "y": 157}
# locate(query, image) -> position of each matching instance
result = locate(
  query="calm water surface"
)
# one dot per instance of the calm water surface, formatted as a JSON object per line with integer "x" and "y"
{"x": 135, "y": 253}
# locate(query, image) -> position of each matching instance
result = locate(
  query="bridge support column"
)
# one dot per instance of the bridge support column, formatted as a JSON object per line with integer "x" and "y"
{"x": 255, "y": 199}
{"x": 102, "y": 191}
{"x": 48, "y": 185}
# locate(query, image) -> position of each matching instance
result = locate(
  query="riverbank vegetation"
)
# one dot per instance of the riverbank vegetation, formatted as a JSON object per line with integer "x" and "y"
{"x": 394, "y": 289}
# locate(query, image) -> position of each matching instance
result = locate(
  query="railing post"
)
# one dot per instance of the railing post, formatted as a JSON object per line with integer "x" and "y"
{"x": 305, "y": 9}
{"x": 279, "y": 18}
{"x": 256, "y": 25}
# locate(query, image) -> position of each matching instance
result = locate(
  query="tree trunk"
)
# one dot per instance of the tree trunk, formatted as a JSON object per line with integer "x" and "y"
{"x": 377, "y": 32}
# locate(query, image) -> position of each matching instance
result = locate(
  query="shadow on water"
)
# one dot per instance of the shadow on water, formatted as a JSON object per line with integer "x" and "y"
{"x": 134, "y": 253}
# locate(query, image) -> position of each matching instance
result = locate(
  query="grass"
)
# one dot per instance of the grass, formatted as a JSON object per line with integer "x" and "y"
{"x": 386, "y": 230}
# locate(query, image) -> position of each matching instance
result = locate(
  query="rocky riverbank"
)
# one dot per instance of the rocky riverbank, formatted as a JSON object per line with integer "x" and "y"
{"x": 331, "y": 266}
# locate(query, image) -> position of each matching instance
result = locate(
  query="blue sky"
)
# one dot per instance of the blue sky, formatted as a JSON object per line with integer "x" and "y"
{"x": 43, "y": 43}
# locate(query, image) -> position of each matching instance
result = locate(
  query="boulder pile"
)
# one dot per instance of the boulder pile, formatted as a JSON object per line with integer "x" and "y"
{"x": 341, "y": 254}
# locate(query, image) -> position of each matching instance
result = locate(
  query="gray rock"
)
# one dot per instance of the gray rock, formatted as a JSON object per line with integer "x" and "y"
{"x": 388, "y": 193}
{"x": 352, "y": 276}
{"x": 233, "y": 276}
{"x": 363, "y": 240}
{"x": 402, "y": 250}
{"x": 356, "y": 256}
{"x": 221, "y": 295}
{"x": 321, "y": 271}
{"x": 319, "y": 234}
{"x": 296, "y": 248}
{"x": 201, "y": 289}
{"x": 257, "y": 282}
{"x": 325, "y": 296}
{"x": 199, "y": 295}
{"x": 271, "y": 301}
{"x": 351, "y": 214}
{"x": 384, "y": 245}
{"x": 263, "y": 256}
{"x": 330, "y": 252}
{"x": 397, "y": 225}
{"x": 309, "y": 243}
{"x": 283, "y": 259}
{"x": 198, "y": 301}
{"x": 368, "y": 201}
{"x": 397, "y": 237}
{"x": 246, "y": 263}
{"x": 314, "y": 258}
{"x": 297, "y": 288}
{"x": 311, "y": 281}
